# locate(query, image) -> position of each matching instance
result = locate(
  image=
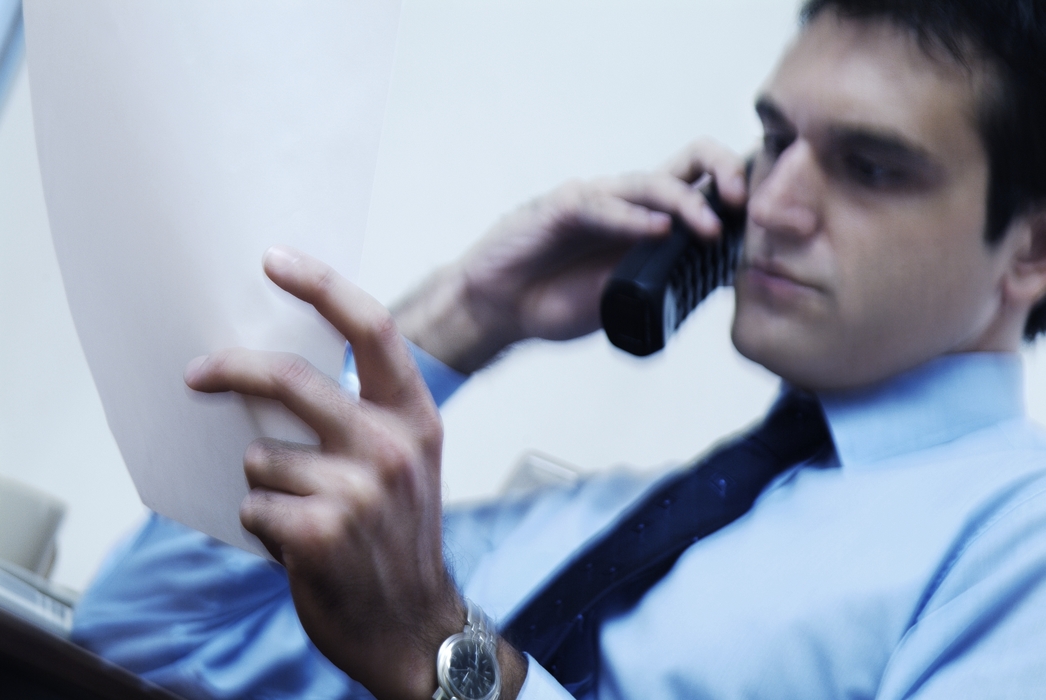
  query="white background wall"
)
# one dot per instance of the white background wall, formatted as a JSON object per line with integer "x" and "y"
{"x": 492, "y": 103}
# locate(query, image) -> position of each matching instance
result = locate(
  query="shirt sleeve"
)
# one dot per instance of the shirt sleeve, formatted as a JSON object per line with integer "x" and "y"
{"x": 204, "y": 620}
{"x": 982, "y": 630}
{"x": 540, "y": 685}
{"x": 441, "y": 380}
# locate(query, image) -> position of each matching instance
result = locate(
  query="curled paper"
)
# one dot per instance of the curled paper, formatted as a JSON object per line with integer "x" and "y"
{"x": 178, "y": 141}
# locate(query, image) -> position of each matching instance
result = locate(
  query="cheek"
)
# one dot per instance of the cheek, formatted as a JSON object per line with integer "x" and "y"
{"x": 790, "y": 340}
{"x": 915, "y": 295}
{"x": 877, "y": 282}
{"x": 920, "y": 265}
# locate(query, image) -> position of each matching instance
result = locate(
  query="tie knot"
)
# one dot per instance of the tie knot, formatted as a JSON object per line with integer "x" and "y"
{"x": 795, "y": 429}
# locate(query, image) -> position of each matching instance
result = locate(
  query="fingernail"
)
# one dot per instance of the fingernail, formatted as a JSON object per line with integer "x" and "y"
{"x": 660, "y": 219}
{"x": 709, "y": 221}
{"x": 193, "y": 367}
{"x": 738, "y": 185}
{"x": 280, "y": 257}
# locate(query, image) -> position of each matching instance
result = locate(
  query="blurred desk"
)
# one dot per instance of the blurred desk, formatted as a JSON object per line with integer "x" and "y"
{"x": 37, "y": 665}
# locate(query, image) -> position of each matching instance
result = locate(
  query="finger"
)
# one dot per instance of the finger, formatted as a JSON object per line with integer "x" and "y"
{"x": 305, "y": 524}
{"x": 282, "y": 466}
{"x": 708, "y": 156}
{"x": 261, "y": 513}
{"x": 618, "y": 217}
{"x": 386, "y": 369}
{"x": 665, "y": 192}
{"x": 307, "y": 392}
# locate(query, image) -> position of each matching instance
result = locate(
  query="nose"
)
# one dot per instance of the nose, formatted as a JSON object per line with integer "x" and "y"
{"x": 785, "y": 201}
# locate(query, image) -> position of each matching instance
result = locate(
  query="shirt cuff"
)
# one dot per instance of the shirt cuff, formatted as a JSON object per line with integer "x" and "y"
{"x": 441, "y": 380}
{"x": 540, "y": 685}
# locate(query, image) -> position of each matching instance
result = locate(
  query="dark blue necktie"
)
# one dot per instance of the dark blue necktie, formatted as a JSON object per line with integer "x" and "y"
{"x": 559, "y": 625}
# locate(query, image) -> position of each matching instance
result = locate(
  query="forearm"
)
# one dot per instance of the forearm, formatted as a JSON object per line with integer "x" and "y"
{"x": 447, "y": 319}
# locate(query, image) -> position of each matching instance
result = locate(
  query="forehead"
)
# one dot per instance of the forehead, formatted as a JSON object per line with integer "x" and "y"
{"x": 872, "y": 75}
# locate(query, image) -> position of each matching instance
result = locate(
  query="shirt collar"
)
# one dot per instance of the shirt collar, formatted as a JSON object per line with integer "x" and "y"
{"x": 930, "y": 405}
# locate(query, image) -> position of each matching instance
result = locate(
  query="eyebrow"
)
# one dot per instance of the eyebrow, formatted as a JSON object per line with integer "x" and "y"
{"x": 882, "y": 142}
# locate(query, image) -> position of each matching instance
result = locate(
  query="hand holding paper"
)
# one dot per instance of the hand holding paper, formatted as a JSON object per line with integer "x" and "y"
{"x": 356, "y": 520}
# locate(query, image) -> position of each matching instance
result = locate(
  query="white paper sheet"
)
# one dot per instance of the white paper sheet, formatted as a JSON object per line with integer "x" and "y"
{"x": 178, "y": 140}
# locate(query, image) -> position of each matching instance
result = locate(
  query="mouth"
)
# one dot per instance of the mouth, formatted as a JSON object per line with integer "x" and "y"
{"x": 774, "y": 279}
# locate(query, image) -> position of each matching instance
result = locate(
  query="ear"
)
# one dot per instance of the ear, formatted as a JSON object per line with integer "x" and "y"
{"x": 1025, "y": 282}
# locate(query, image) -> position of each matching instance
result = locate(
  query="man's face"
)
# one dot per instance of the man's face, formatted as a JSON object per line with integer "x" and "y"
{"x": 865, "y": 252}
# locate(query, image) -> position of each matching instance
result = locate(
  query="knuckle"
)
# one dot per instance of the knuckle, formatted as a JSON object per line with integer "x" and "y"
{"x": 382, "y": 327}
{"x": 324, "y": 530}
{"x": 369, "y": 511}
{"x": 254, "y": 509}
{"x": 426, "y": 423}
{"x": 657, "y": 186}
{"x": 259, "y": 452}
{"x": 393, "y": 459}
{"x": 637, "y": 179}
{"x": 292, "y": 372}
{"x": 703, "y": 145}
{"x": 428, "y": 431}
{"x": 398, "y": 469}
{"x": 218, "y": 363}
{"x": 570, "y": 191}
{"x": 583, "y": 204}
{"x": 326, "y": 283}
{"x": 562, "y": 201}
{"x": 319, "y": 528}
{"x": 247, "y": 512}
{"x": 432, "y": 427}
{"x": 255, "y": 458}
{"x": 432, "y": 443}
{"x": 403, "y": 486}
{"x": 667, "y": 184}
{"x": 579, "y": 194}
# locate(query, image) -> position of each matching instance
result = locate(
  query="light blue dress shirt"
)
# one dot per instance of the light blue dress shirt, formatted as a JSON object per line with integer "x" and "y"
{"x": 911, "y": 564}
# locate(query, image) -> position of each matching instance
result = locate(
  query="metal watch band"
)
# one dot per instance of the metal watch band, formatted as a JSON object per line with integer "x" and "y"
{"x": 479, "y": 627}
{"x": 480, "y": 623}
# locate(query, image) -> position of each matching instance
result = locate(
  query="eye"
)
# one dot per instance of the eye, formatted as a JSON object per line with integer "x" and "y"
{"x": 873, "y": 173}
{"x": 775, "y": 143}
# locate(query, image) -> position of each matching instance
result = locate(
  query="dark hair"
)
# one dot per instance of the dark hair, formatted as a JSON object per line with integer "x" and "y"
{"x": 1008, "y": 39}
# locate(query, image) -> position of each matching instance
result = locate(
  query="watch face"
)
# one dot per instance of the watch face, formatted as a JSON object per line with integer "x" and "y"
{"x": 472, "y": 672}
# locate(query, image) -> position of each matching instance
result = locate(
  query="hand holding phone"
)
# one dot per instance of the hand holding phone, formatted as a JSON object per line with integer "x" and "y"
{"x": 659, "y": 282}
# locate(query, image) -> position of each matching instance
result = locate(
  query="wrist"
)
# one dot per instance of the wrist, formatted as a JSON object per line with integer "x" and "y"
{"x": 513, "y": 670}
{"x": 451, "y": 322}
{"x": 419, "y": 670}
{"x": 476, "y": 662}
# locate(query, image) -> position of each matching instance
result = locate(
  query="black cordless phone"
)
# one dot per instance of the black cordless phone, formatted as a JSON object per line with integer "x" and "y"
{"x": 658, "y": 283}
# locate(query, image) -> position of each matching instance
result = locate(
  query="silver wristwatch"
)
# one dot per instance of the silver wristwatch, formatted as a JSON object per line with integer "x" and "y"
{"x": 467, "y": 663}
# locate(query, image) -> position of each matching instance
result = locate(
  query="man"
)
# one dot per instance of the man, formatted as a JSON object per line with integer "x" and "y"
{"x": 894, "y": 257}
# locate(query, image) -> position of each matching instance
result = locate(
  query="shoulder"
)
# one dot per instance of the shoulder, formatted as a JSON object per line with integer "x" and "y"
{"x": 981, "y": 625}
